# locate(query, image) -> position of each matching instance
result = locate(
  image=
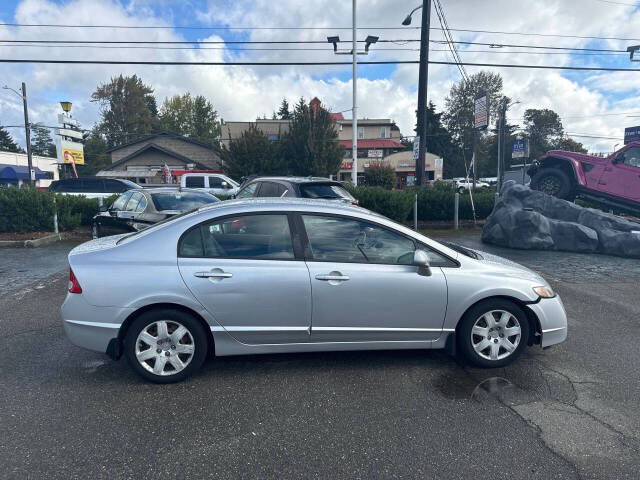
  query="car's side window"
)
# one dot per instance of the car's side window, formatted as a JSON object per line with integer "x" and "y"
{"x": 120, "y": 202}
{"x": 248, "y": 191}
{"x": 132, "y": 204}
{"x": 270, "y": 189}
{"x": 260, "y": 237}
{"x": 194, "y": 182}
{"x": 215, "y": 182}
{"x": 337, "y": 239}
{"x": 632, "y": 157}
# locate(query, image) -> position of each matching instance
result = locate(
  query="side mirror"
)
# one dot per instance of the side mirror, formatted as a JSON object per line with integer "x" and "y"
{"x": 421, "y": 260}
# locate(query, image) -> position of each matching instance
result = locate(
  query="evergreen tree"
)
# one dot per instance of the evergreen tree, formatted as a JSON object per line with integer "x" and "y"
{"x": 311, "y": 145}
{"x": 41, "y": 142}
{"x": 283, "y": 112}
{"x": 96, "y": 157}
{"x": 7, "y": 143}
{"x": 252, "y": 154}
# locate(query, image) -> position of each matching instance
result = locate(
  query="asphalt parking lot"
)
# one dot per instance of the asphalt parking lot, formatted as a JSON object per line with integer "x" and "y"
{"x": 567, "y": 412}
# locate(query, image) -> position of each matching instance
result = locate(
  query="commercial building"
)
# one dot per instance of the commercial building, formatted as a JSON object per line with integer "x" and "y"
{"x": 379, "y": 141}
{"x": 14, "y": 169}
{"x": 143, "y": 160}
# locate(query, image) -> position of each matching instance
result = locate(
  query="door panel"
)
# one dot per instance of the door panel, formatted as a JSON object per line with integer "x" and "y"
{"x": 364, "y": 286}
{"x": 377, "y": 302}
{"x": 263, "y": 301}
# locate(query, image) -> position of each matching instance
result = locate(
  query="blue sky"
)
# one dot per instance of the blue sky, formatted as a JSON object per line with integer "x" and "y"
{"x": 594, "y": 103}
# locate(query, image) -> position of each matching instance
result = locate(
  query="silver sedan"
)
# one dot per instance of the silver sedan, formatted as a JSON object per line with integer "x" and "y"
{"x": 297, "y": 275}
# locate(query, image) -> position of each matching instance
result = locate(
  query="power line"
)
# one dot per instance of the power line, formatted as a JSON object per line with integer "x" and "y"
{"x": 619, "y": 3}
{"x": 303, "y": 49}
{"x": 226, "y": 27}
{"x": 369, "y": 62}
{"x": 90, "y": 43}
{"x": 543, "y": 47}
{"x": 450, "y": 43}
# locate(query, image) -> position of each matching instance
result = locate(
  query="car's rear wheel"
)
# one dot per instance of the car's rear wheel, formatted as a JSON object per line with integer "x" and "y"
{"x": 165, "y": 346}
{"x": 553, "y": 181}
{"x": 493, "y": 333}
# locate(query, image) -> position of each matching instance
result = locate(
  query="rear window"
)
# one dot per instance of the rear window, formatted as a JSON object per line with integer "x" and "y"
{"x": 324, "y": 190}
{"x": 194, "y": 182}
{"x": 181, "y": 201}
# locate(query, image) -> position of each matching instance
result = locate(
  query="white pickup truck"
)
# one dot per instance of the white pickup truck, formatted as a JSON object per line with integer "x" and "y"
{"x": 215, "y": 183}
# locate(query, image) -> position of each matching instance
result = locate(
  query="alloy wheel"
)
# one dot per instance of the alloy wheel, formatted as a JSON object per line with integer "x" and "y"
{"x": 496, "y": 335}
{"x": 164, "y": 347}
{"x": 550, "y": 185}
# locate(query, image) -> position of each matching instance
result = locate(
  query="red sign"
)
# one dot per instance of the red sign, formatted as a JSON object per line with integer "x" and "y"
{"x": 346, "y": 165}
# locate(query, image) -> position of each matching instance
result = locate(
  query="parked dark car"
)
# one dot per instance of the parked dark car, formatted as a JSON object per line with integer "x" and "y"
{"x": 137, "y": 209}
{"x": 297, "y": 187}
{"x": 92, "y": 187}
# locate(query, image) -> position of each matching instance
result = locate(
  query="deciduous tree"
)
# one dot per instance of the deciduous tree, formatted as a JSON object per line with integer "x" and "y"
{"x": 127, "y": 109}
{"x": 192, "y": 117}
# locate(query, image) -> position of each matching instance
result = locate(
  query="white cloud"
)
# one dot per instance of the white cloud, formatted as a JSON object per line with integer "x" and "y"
{"x": 244, "y": 92}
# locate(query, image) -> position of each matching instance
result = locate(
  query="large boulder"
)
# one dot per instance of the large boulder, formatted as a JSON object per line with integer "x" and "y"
{"x": 528, "y": 219}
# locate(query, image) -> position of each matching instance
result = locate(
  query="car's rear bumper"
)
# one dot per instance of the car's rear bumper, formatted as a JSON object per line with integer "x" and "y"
{"x": 91, "y": 327}
{"x": 553, "y": 320}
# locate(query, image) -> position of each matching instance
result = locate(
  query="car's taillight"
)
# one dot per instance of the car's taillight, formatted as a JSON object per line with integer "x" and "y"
{"x": 74, "y": 286}
{"x": 355, "y": 202}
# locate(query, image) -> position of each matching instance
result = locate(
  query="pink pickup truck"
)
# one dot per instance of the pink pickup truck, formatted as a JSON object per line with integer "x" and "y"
{"x": 613, "y": 181}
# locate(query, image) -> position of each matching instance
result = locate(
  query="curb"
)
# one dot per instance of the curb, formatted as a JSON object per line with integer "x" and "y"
{"x": 38, "y": 242}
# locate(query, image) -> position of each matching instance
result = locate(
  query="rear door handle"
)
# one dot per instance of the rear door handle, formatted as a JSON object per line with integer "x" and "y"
{"x": 334, "y": 277}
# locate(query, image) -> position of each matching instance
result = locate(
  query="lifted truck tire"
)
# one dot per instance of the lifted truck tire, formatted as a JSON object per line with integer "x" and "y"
{"x": 553, "y": 181}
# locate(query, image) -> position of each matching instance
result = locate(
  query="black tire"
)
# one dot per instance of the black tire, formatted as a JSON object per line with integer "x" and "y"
{"x": 466, "y": 339}
{"x": 172, "y": 317}
{"x": 555, "y": 182}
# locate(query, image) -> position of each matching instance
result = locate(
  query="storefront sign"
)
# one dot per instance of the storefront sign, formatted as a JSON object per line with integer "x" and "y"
{"x": 69, "y": 152}
{"x": 375, "y": 153}
{"x": 631, "y": 134}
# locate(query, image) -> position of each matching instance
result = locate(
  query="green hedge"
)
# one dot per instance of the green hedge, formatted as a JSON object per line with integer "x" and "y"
{"x": 30, "y": 210}
{"x": 435, "y": 203}
{"x": 393, "y": 204}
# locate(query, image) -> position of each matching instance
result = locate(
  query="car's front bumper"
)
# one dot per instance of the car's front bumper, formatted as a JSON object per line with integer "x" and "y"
{"x": 89, "y": 326}
{"x": 553, "y": 320}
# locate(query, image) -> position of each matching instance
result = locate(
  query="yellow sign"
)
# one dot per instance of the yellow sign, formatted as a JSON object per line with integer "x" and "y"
{"x": 70, "y": 152}
{"x": 73, "y": 156}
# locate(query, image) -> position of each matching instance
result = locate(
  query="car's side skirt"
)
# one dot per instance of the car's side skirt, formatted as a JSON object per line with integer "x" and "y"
{"x": 225, "y": 345}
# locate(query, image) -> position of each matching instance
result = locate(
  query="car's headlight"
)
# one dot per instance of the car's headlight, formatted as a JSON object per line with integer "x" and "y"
{"x": 545, "y": 292}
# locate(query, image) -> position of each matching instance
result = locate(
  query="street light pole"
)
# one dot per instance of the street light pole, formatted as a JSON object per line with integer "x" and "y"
{"x": 27, "y": 134}
{"x": 354, "y": 123}
{"x": 423, "y": 77}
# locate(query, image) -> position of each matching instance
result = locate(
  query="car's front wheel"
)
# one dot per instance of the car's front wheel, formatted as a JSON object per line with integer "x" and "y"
{"x": 493, "y": 333}
{"x": 165, "y": 346}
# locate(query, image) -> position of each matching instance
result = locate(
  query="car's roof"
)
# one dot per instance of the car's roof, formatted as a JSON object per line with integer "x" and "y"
{"x": 284, "y": 203}
{"x": 296, "y": 179}
{"x": 171, "y": 190}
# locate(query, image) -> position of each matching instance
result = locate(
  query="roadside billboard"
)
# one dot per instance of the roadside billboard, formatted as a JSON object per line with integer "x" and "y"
{"x": 631, "y": 134}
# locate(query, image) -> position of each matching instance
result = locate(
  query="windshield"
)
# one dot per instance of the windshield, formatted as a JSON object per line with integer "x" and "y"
{"x": 181, "y": 201}
{"x": 129, "y": 183}
{"x": 324, "y": 190}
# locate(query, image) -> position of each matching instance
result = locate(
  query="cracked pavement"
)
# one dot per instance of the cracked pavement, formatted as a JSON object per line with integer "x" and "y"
{"x": 567, "y": 412}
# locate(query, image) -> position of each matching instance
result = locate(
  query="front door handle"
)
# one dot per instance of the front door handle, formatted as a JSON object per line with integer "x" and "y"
{"x": 215, "y": 275}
